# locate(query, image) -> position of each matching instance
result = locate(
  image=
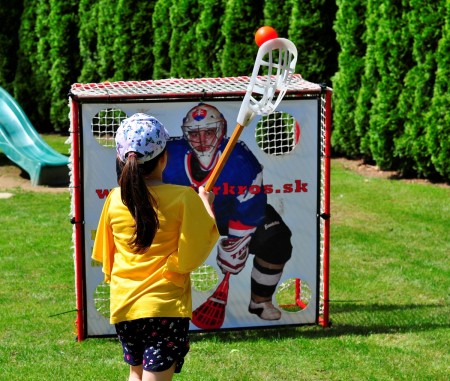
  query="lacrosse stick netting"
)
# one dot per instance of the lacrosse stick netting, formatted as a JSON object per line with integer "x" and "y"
{"x": 272, "y": 74}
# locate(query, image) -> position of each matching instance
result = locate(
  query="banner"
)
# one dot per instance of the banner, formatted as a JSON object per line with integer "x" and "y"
{"x": 282, "y": 197}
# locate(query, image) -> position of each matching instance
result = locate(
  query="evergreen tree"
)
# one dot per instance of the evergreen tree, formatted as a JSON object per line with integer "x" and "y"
{"x": 106, "y": 34}
{"x": 393, "y": 59}
{"x": 349, "y": 27}
{"x": 88, "y": 16}
{"x": 276, "y": 14}
{"x": 133, "y": 47}
{"x": 242, "y": 20}
{"x": 438, "y": 132}
{"x": 425, "y": 24}
{"x": 10, "y": 14}
{"x": 182, "y": 51}
{"x": 369, "y": 80}
{"x": 208, "y": 37}
{"x": 64, "y": 58}
{"x": 27, "y": 88}
{"x": 41, "y": 65}
{"x": 162, "y": 32}
{"x": 311, "y": 30}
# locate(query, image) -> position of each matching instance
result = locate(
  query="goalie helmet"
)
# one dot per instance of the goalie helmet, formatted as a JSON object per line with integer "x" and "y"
{"x": 204, "y": 128}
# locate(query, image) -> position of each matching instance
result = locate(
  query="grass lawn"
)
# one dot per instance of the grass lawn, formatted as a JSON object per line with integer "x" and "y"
{"x": 389, "y": 290}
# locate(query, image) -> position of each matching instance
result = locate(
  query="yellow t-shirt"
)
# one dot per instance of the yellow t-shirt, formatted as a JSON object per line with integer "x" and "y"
{"x": 156, "y": 283}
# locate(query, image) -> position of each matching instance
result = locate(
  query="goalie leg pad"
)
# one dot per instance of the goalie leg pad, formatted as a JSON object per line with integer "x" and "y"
{"x": 272, "y": 239}
{"x": 264, "y": 281}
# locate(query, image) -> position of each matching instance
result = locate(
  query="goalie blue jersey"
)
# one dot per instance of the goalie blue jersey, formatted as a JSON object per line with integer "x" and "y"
{"x": 240, "y": 201}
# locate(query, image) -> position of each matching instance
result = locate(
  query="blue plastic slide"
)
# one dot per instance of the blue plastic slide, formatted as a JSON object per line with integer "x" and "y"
{"x": 21, "y": 143}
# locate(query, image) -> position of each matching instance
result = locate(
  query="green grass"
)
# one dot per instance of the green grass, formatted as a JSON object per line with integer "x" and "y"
{"x": 58, "y": 143}
{"x": 389, "y": 286}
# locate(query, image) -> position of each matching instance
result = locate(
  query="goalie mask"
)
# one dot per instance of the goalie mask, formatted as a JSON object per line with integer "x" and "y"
{"x": 204, "y": 127}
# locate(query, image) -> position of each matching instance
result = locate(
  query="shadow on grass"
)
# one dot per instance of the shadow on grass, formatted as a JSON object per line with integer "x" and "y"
{"x": 351, "y": 318}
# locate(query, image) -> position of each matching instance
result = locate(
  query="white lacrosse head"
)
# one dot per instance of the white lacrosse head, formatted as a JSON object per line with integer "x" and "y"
{"x": 272, "y": 74}
{"x": 204, "y": 127}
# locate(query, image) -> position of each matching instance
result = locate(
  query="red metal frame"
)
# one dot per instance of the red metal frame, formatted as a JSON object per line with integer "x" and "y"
{"x": 77, "y": 215}
{"x": 83, "y": 92}
{"x": 324, "y": 320}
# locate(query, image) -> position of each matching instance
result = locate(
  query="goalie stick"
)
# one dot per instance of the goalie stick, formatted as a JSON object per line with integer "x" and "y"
{"x": 272, "y": 72}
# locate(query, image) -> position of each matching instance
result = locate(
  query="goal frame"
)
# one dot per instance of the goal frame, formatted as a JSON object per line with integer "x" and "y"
{"x": 203, "y": 89}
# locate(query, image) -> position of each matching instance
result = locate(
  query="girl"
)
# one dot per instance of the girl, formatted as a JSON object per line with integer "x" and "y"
{"x": 150, "y": 237}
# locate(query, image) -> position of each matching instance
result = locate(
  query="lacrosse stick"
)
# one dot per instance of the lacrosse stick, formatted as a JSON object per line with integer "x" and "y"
{"x": 263, "y": 95}
{"x": 264, "y": 92}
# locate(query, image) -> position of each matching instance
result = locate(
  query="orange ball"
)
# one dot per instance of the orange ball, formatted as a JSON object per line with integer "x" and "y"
{"x": 265, "y": 33}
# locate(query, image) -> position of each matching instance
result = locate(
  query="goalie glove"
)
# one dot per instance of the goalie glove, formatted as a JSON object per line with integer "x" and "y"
{"x": 232, "y": 253}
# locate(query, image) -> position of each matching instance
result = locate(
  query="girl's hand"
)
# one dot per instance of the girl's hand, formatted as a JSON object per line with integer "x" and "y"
{"x": 206, "y": 196}
{"x": 208, "y": 199}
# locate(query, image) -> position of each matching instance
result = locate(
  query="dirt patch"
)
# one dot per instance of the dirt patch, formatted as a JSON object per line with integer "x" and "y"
{"x": 367, "y": 170}
{"x": 12, "y": 177}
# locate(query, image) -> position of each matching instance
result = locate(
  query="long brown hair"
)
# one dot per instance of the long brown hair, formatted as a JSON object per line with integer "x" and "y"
{"x": 138, "y": 199}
